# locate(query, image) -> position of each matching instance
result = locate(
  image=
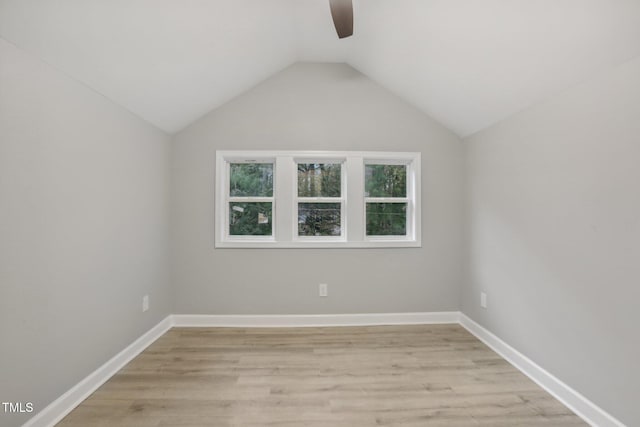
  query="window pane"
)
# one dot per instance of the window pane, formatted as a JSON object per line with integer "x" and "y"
{"x": 250, "y": 219}
{"x": 319, "y": 219}
{"x": 251, "y": 180}
{"x": 319, "y": 179}
{"x": 385, "y": 180}
{"x": 386, "y": 219}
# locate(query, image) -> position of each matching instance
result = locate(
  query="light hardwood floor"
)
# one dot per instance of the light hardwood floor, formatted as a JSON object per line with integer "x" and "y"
{"x": 433, "y": 375}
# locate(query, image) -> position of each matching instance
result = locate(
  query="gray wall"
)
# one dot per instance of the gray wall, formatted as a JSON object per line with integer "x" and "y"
{"x": 554, "y": 236}
{"x": 315, "y": 107}
{"x": 83, "y": 230}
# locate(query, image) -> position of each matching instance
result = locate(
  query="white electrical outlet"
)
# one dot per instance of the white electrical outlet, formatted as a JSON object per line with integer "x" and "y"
{"x": 145, "y": 303}
{"x": 323, "y": 289}
{"x": 483, "y": 300}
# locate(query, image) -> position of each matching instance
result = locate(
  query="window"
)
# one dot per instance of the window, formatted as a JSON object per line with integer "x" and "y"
{"x": 298, "y": 199}
{"x": 386, "y": 201}
{"x": 250, "y": 201}
{"x": 320, "y": 200}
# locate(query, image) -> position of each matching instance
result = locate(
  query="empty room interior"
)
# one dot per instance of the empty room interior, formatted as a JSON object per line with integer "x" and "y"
{"x": 319, "y": 213}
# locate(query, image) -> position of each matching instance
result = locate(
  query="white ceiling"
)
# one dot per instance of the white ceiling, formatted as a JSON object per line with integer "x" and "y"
{"x": 467, "y": 63}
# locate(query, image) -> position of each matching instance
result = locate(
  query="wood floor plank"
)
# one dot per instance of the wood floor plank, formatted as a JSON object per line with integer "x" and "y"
{"x": 427, "y": 375}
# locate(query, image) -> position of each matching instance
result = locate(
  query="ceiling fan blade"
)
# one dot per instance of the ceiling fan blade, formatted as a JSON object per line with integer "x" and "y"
{"x": 342, "y": 14}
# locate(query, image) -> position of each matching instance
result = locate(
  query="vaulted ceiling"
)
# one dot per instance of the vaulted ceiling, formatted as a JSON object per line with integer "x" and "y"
{"x": 467, "y": 63}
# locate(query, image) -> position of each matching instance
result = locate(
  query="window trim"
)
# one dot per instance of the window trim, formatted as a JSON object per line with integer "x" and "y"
{"x": 285, "y": 206}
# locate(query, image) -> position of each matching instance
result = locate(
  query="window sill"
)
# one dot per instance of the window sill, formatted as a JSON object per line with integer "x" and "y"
{"x": 318, "y": 245}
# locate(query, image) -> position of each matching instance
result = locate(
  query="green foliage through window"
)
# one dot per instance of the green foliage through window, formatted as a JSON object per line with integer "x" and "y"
{"x": 250, "y": 219}
{"x": 319, "y": 219}
{"x": 385, "y": 180}
{"x": 319, "y": 179}
{"x": 386, "y": 219}
{"x": 251, "y": 180}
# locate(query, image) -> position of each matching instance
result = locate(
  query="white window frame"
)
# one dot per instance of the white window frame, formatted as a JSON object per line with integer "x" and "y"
{"x": 408, "y": 199}
{"x": 342, "y": 200}
{"x": 228, "y": 199}
{"x": 285, "y": 199}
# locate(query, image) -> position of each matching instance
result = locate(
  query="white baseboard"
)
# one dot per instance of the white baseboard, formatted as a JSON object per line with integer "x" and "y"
{"x": 314, "y": 320}
{"x": 583, "y": 407}
{"x": 60, "y": 407}
{"x": 579, "y": 404}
